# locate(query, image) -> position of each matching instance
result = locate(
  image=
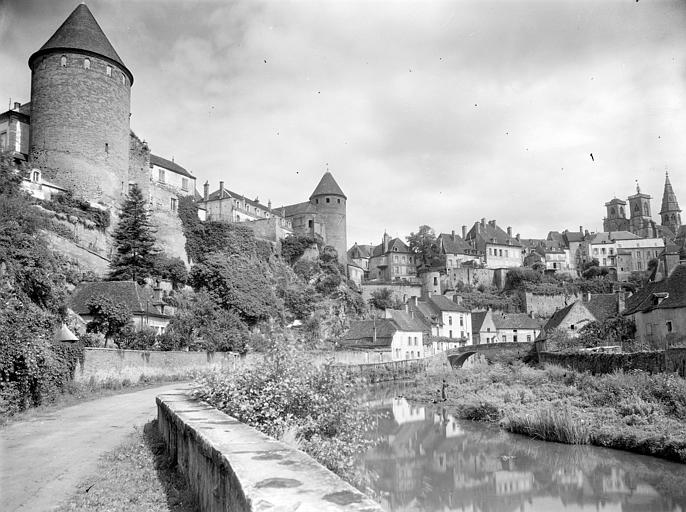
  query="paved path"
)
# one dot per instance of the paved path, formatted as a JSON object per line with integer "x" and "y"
{"x": 44, "y": 459}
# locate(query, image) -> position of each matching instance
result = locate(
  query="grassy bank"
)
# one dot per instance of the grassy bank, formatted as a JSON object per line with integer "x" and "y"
{"x": 631, "y": 411}
{"x": 137, "y": 476}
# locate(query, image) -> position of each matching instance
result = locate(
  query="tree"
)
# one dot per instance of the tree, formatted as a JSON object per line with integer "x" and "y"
{"x": 134, "y": 242}
{"x": 384, "y": 299}
{"x": 423, "y": 243}
{"x": 109, "y": 317}
{"x": 173, "y": 269}
{"x": 237, "y": 283}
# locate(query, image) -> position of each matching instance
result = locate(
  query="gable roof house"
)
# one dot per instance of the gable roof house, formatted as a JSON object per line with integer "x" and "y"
{"x": 454, "y": 249}
{"x": 569, "y": 319}
{"x": 516, "y": 327}
{"x": 400, "y": 334}
{"x": 659, "y": 309}
{"x": 391, "y": 260}
{"x": 484, "y": 329}
{"x": 147, "y": 309}
{"x": 497, "y": 248}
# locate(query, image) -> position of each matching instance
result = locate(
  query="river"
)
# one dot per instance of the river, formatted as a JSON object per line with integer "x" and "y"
{"x": 428, "y": 461}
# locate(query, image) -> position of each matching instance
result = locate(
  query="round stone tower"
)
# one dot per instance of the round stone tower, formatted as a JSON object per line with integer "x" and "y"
{"x": 80, "y": 104}
{"x": 329, "y": 202}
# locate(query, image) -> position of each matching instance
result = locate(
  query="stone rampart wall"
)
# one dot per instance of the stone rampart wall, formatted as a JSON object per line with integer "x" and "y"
{"x": 545, "y": 305}
{"x": 231, "y": 466}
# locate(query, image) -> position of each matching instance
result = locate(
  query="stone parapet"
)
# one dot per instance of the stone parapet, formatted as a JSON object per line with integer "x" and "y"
{"x": 231, "y": 466}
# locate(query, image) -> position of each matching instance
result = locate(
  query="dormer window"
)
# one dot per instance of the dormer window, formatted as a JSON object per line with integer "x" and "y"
{"x": 86, "y": 63}
{"x": 63, "y": 61}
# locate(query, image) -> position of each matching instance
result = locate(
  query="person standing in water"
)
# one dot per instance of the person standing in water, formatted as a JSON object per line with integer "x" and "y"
{"x": 444, "y": 391}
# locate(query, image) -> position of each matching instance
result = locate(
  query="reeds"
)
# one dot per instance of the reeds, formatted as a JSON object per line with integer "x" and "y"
{"x": 550, "y": 425}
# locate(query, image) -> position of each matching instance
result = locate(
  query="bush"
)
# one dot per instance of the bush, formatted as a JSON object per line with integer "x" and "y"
{"x": 285, "y": 393}
{"x": 131, "y": 339}
{"x": 550, "y": 425}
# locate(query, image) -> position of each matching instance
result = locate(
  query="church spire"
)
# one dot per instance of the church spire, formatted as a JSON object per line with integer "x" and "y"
{"x": 670, "y": 211}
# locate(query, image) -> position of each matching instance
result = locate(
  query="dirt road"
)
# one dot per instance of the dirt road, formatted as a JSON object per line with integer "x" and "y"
{"x": 44, "y": 459}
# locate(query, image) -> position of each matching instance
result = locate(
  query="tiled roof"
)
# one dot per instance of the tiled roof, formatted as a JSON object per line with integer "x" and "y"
{"x": 603, "y": 306}
{"x": 364, "y": 330}
{"x": 80, "y": 32}
{"x": 443, "y": 303}
{"x": 492, "y": 234}
{"x": 645, "y": 300}
{"x": 138, "y": 299}
{"x": 478, "y": 318}
{"x": 669, "y": 201}
{"x": 169, "y": 165}
{"x": 453, "y": 244}
{"x": 395, "y": 243}
{"x": 328, "y": 186}
{"x": 609, "y": 237}
{"x": 295, "y": 209}
{"x": 573, "y": 236}
{"x": 228, "y": 194}
{"x": 405, "y": 321}
{"x": 559, "y": 316}
{"x": 360, "y": 251}
{"x": 515, "y": 321}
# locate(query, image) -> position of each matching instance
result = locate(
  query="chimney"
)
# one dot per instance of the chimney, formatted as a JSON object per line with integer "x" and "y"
{"x": 581, "y": 230}
{"x": 483, "y": 222}
{"x": 531, "y": 314}
{"x": 464, "y": 232}
{"x": 518, "y": 237}
{"x": 509, "y": 231}
{"x": 221, "y": 190}
{"x": 17, "y": 105}
{"x": 457, "y": 299}
{"x": 386, "y": 239}
{"x": 269, "y": 205}
{"x": 206, "y": 190}
{"x": 453, "y": 235}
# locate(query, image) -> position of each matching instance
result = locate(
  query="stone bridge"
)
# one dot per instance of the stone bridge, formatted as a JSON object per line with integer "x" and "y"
{"x": 491, "y": 351}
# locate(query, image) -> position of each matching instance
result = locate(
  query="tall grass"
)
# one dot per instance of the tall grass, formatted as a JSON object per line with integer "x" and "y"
{"x": 549, "y": 425}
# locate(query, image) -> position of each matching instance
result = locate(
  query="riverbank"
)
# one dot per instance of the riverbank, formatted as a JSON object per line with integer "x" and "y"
{"x": 633, "y": 411}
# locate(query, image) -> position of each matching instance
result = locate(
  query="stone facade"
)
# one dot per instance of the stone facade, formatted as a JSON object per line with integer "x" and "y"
{"x": 80, "y": 124}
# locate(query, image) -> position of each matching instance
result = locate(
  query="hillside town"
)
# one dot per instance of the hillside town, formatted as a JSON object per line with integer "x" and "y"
{"x": 109, "y": 251}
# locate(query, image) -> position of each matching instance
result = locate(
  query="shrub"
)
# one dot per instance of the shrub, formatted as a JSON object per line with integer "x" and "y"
{"x": 550, "y": 425}
{"x": 286, "y": 393}
{"x": 481, "y": 411}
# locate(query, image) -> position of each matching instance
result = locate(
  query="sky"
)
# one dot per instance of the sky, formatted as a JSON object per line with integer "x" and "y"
{"x": 425, "y": 112}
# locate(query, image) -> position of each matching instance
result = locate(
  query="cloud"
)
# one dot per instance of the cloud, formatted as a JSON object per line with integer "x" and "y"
{"x": 427, "y": 112}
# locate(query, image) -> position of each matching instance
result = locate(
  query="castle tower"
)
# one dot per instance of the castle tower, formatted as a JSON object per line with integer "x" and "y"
{"x": 670, "y": 212}
{"x": 616, "y": 216}
{"x": 640, "y": 221}
{"x": 329, "y": 202}
{"x": 80, "y": 104}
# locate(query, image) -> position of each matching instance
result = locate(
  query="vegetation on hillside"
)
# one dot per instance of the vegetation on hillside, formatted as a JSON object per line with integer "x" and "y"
{"x": 33, "y": 289}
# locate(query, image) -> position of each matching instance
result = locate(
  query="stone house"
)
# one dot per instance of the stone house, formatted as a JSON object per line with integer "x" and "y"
{"x": 570, "y": 319}
{"x": 359, "y": 255}
{"x": 484, "y": 329}
{"x": 145, "y": 304}
{"x": 516, "y": 327}
{"x": 399, "y": 334}
{"x": 496, "y": 248}
{"x": 454, "y": 249}
{"x": 659, "y": 308}
{"x": 623, "y": 251}
{"x": 392, "y": 260}
{"x": 443, "y": 318}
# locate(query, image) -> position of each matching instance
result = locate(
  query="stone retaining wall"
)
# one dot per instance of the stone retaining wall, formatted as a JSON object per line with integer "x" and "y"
{"x": 231, "y": 466}
{"x": 652, "y": 362}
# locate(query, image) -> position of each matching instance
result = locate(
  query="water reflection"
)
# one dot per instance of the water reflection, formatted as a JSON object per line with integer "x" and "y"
{"x": 426, "y": 460}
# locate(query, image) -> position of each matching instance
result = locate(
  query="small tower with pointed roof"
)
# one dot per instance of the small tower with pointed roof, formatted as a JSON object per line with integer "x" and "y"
{"x": 80, "y": 107}
{"x": 670, "y": 213}
{"x": 329, "y": 203}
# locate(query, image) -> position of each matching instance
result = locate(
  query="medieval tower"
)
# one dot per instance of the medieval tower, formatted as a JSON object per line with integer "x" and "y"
{"x": 80, "y": 104}
{"x": 329, "y": 203}
{"x": 640, "y": 221}
{"x": 670, "y": 213}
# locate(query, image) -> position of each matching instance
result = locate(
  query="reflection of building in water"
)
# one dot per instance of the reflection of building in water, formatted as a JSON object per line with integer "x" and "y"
{"x": 404, "y": 412}
{"x": 512, "y": 482}
{"x": 431, "y": 462}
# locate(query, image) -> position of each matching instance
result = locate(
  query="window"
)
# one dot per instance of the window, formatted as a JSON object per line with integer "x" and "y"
{"x": 36, "y": 176}
{"x": 415, "y": 341}
{"x": 63, "y": 61}
{"x": 316, "y": 201}
{"x": 339, "y": 201}
{"x": 407, "y": 355}
{"x": 160, "y": 175}
{"x": 669, "y": 326}
{"x": 3, "y": 140}
{"x": 184, "y": 183}
{"x": 86, "y": 63}
{"x": 490, "y": 251}
{"x": 435, "y": 281}
{"x": 514, "y": 338}
{"x": 461, "y": 321}
{"x": 450, "y": 334}
{"x": 108, "y": 70}
{"x": 310, "y": 223}
{"x": 504, "y": 338}
{"x": 328, "y": 199}
{"x": 395, "y": 258}
{"x": 501, "y": 252}
{"x": 409, "y": 340}
{"x": 174, "y": 204}
{"x": 507, "y": 253}
{"x": 450, "y": 320}
{"x": 528, "y": 337}
{"x": 107, "y": 147}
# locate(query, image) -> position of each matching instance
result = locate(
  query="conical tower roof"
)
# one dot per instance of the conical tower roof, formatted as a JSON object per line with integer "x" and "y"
{"x": 328, "y": 187}
{"x": 669, "y": 202}
{"x": 80, "y": 32}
